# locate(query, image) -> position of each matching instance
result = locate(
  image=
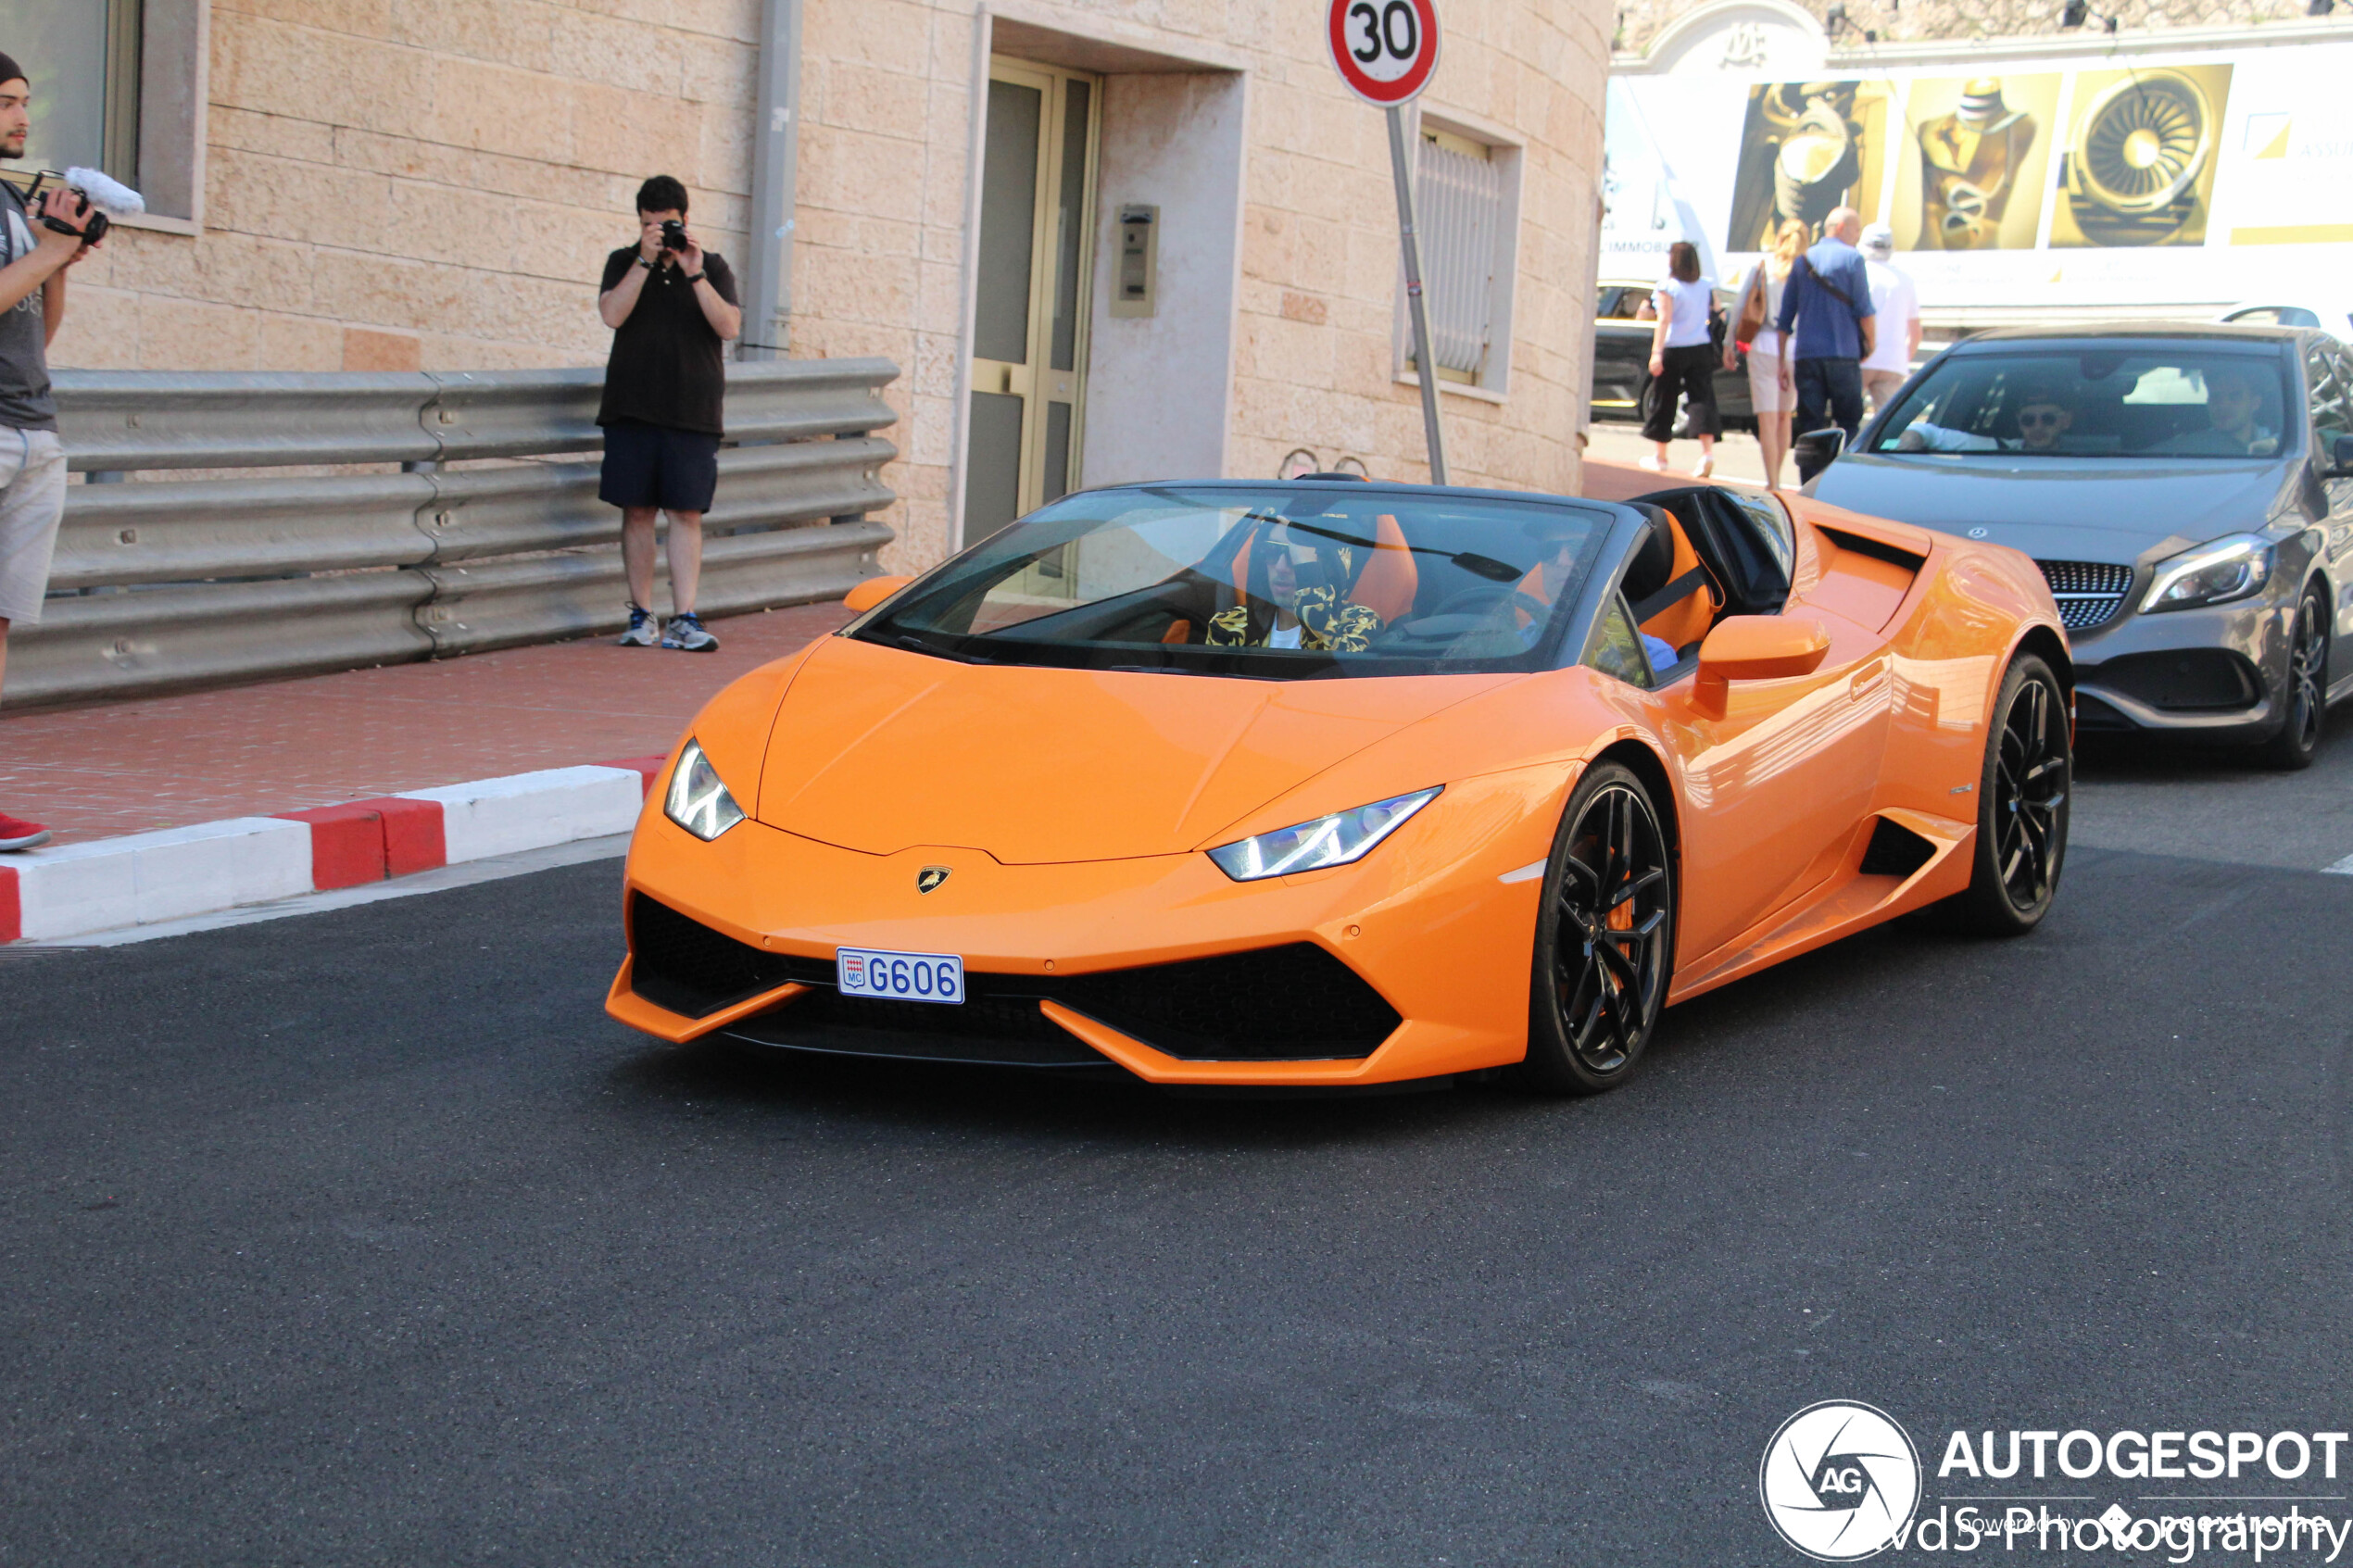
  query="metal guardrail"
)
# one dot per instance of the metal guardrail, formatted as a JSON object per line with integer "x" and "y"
{"x": 174, "y": 584}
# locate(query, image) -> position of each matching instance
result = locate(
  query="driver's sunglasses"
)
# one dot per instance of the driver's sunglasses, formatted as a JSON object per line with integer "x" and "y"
{"x": 2035, "y": 418}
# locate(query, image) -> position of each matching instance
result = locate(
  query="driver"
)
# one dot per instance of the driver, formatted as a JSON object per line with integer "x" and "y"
{"x": 1286, "y": 604}
{"x": 2043, "y": 417}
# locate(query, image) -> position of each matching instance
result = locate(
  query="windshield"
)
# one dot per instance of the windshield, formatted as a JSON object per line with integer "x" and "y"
{"x": 2188, "y": 401}
{"x": 1281, "y": 581}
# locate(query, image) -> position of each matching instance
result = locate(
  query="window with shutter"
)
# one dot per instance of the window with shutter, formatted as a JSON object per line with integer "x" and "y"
{"x": 1466, "y": 207}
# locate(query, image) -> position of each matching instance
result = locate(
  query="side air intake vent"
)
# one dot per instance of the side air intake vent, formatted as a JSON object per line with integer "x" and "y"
{"x": 1896, "y": 850}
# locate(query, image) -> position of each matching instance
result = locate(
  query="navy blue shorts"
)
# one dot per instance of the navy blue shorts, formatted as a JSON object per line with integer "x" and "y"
{"x": 655, "y": 465}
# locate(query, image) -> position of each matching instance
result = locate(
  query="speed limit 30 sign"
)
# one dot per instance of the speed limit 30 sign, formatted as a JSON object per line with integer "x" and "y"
{"x": 1384, "y": 49}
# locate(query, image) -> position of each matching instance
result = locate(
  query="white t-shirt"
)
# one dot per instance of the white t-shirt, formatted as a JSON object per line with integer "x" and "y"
{"x": 1283, "y": 637}
{"x": 1683, "y": 307}
{"x": 1896, "y": 303}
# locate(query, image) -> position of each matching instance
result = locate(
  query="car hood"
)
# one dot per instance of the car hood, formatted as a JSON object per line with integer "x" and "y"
{"x": 2065, "y": 509}
{"x": 880, "y": 750}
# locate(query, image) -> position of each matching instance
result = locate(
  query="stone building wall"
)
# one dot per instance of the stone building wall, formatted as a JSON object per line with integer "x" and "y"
{"x": 393, "y": 184}
{"x": 401, "y": 184}
{"x": 1922, "y": 22}
{"x": 878, "y": 258}
{"x": 886, "y": 152}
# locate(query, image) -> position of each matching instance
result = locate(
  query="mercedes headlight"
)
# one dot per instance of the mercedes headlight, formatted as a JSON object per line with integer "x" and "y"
{"x": 698, "y": 801}
{"x": 2211, "y": 575}
{"x": 1328, "y": 841}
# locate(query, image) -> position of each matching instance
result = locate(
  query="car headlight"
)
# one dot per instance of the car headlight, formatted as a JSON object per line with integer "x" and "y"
{"x": 2211, "y": 575}
{"x": 1328, "y": 841}
{"x": 698, "y": 801}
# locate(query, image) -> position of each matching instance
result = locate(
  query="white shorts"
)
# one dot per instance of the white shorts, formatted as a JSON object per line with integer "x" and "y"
{"x": 32, "y": 498}
{"x": 1765, "y": 395}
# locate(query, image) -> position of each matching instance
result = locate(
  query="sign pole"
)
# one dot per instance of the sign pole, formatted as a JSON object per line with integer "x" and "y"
{"x": 1385, "y": 52}
{"x": 1401, "y": 165}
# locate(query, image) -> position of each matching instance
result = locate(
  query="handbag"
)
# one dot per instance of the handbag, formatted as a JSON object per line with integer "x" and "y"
{"x": 1751, "y": 320}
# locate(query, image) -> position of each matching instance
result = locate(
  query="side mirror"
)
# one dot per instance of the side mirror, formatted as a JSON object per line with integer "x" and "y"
{"x": 2340, "y": 465}
{"x": 1756, "y": 647}
{"x": 871, "y": 592}
{"x": 1816, "y": 450}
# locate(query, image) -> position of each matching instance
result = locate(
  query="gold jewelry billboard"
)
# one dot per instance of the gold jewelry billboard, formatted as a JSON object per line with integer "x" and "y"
{"x": 1973, "y": 162}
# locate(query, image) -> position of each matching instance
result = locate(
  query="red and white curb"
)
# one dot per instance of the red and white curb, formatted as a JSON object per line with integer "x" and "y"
{"x": 148, "y": 878}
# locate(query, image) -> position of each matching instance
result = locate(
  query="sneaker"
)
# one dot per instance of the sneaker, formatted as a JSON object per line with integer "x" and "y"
{"x": 686, "y": 633}
{"x": 644, "y": 630}
{"x": 1653, "y": 463}
{"x": 18, "y": 833}
{"x": 1705, "y": 469}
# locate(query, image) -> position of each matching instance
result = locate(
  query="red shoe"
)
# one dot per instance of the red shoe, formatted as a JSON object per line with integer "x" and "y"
{"x": 18, "y": 833}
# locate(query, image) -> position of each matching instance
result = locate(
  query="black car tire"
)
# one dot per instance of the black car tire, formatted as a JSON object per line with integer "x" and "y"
{"x": 1605, "y": 938}
{"x": 2306, "y": 694}
{"x": 2021, "y": 805}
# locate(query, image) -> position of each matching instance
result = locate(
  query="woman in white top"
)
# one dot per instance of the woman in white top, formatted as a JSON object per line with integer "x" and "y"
{"x": 1682, "y": 360}
{"x": 1769, "y": 276}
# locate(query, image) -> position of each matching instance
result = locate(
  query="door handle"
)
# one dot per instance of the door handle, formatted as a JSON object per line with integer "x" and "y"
{"x": 1865, "y": 682}
{"x": 1013, "y": 380}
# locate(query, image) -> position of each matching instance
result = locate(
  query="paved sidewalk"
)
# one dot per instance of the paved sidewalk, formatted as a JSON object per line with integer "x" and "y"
{"x": 162, "y": 762}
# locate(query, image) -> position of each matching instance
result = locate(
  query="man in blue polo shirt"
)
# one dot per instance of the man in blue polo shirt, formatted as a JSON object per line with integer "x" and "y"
{"x": 1829, "y": 300}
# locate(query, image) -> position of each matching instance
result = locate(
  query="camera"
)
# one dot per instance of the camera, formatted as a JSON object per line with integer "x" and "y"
{"x": 674, "y": 234}
{"x": 93, "y": 190}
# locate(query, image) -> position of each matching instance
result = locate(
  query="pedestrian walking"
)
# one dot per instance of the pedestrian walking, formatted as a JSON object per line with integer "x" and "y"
{"x": 36, "y": 246}
{"x": 671, "y": 306}
{"x": 1759, "y": 307}
{"x": 1895, "y": 305}
{"x": 1682, "y": 361}
{"x": 1826, "y": 322}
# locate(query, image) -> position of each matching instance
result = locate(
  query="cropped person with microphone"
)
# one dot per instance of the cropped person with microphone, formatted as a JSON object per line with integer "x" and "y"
{"x": 36, "y": 246}
{"x": 671, "y": 306}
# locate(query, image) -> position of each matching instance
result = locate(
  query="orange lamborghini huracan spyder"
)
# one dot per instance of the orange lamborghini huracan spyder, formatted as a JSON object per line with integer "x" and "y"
{"x": 1327, "y": 783}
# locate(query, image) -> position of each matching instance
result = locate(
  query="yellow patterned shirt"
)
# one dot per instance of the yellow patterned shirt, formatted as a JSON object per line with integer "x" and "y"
{"x": 1326, "y": 625}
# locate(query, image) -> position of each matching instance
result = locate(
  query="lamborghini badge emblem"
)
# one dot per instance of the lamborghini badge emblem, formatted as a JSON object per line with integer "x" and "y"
{"x": 930, "y": 877}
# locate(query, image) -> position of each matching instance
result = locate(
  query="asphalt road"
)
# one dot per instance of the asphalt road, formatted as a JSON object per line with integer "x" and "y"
{"x": 364, "y": 1236}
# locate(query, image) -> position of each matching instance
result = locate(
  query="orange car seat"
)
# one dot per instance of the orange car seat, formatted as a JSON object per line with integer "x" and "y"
{"x": 1674, "y": 597}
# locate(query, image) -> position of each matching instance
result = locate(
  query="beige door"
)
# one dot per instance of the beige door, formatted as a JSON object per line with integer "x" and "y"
{"x": 1029, "y": 319}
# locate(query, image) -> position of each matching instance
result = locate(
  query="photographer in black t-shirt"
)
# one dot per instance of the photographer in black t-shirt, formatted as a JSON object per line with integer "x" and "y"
{"x": 670, "y": 304}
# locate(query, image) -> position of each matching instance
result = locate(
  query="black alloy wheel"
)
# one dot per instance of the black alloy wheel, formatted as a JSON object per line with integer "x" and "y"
{"x": 2022, "y": 804}
{"x": 2305, "y": 694}
{"x": 1605, "y": 938}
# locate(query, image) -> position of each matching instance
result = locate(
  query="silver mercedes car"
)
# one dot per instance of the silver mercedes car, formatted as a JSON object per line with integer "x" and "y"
{"x": 2187, "y": 491}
